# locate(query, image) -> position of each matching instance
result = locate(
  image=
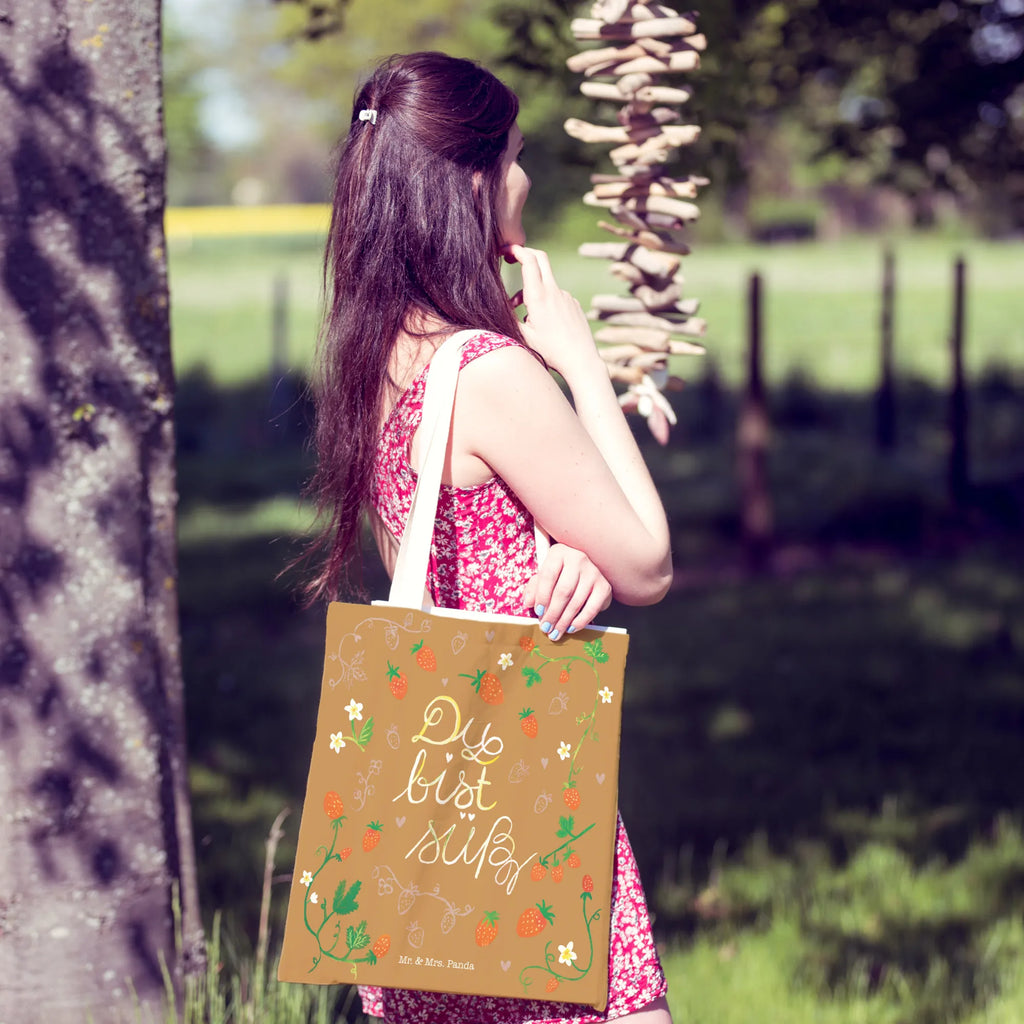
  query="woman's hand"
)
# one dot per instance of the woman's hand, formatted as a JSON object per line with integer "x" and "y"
{"x": 555, "y": 326}
{"x": 567, "y": 592}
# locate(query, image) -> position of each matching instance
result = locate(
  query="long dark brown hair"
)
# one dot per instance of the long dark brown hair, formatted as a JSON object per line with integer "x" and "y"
{"x": 413, "y": 240}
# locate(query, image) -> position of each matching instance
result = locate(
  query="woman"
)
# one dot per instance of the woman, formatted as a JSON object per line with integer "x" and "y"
{"x": 428, "y": 198}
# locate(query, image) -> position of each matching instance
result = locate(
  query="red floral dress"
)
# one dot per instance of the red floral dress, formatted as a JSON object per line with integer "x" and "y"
{"x": 482, "y": 557}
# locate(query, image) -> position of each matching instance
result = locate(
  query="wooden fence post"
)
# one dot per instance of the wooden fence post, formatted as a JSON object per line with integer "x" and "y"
{"x": 959, "y": 475}
{"x": 753, "y": 432}
{"x": 282, "y": 391}
{"x": 885, "y": 397}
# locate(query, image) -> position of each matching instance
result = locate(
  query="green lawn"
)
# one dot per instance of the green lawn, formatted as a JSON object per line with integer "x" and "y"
{"x": 821, "y": 766}
{"x": 821, "y": 305}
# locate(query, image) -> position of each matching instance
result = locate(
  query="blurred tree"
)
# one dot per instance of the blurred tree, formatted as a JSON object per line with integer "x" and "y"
{"x": 909, "y": 92}
{"x": 190, "y": 153}
{"x": 96, "y": 819}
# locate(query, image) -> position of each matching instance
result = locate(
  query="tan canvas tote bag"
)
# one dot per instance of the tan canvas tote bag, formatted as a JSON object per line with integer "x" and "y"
{"x": 458, "y": 829}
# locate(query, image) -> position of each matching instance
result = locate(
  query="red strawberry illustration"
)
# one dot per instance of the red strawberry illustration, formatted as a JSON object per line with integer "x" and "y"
{"x": 573, "y": 860}
{"x": 563, "y": 676}
{"x": 557, "y": 871}
{"x": 487, "y": 685}
{"x": 346, "y": 853}
{"x": 487, "y": 929}
{"x": 571, "y": 796}
{"x": 371, "y": 837}
{"x": 425, "y": 657}
{"x": 527, "y": 644}
{"x": 588, "y": 883}
{"x": 551, "y": 985}
{"x": 397, "y": 681}
{"x": 538, "y": 871}
{"x": 333, "y": 807}
{"x": 533, "y": 920}
{"x": 528, "y": 722}
{"x": 381, "y": 946}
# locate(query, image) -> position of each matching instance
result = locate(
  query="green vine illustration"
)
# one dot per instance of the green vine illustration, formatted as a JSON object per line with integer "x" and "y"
{"x": 345, "y": 901}
{"x": 566, "y": 826}
{"x": 594, "y": 648}
{"x": 562, "y": 965}
{"x": 364, "y": 735}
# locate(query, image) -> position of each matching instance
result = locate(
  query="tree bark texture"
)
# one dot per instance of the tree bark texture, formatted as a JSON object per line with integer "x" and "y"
{"x": 94, "y": 815}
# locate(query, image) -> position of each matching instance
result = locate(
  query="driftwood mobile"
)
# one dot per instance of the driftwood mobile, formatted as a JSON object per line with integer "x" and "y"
{"x": 645, "y": 41}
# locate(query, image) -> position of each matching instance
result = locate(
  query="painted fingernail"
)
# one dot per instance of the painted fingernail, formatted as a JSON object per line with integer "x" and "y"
{"x": 539, "y": 610}
{"x": 545, "y": 627}
{"x": 571, "y": 629}
{"x": 554, "y": 635}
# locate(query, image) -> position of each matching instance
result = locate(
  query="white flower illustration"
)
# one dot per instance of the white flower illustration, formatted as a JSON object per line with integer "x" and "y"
{"x": 605, "y": 695}
{"x": 505, "y": 659}
{"x": 355, "y": 710}
{"x": 564, "y": 750}
{"x": 313, "y": 898}
{"x": 337, "y": 741}
{"x": 306, "y": 879}
{"x": 566, "y": 954}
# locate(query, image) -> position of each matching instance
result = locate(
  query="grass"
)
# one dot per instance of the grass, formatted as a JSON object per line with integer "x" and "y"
{"x": 840, "y": 736}
{"x": 821, "y": 305}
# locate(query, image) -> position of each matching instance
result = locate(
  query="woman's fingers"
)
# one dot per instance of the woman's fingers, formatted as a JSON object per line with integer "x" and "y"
{"x": 568, "y": 591}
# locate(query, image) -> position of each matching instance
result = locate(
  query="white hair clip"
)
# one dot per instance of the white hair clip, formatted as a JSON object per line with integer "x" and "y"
{"x": 369, "y": 114}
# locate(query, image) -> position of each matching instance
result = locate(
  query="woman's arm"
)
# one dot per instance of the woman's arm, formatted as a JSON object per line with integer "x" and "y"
{"x": 579, "y": 472}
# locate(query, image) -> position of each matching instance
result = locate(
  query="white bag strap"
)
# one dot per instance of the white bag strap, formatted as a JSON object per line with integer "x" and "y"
{"x": 408, "y": 584}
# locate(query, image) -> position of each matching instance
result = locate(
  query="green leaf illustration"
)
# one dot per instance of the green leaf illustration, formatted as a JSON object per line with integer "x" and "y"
{"x": 357, "y": 937}
{"x": 565, "y": 827}
{"x": 346, "y": 902}
{"x": 367, "y": 731}
{"x": 595, "y": 648}
{"x": 532, "y": 675}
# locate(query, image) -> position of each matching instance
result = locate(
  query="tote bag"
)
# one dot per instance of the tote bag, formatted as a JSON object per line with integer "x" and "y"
{"x": 458, "y": 829}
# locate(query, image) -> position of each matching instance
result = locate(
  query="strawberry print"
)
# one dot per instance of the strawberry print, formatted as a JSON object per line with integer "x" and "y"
{"x": 573, "y": 860}
{"x": 371, "y": 837}
{"x": 346, "y": 853}
{"x": 571, "y": 796}
{"x": 528, "y": 722}
{"x": 333, "y": 807}
{"x": 425, "y": 657}
{"x": 588, "y": 883}
{"x": 486, "y": 684}
{"x": 533, "y": 920}
{"x": 527, "y": 644}
{"x": 557, "y": 872}
{"x": 381, "y": 946}
{"x": 563, "y": 676}
{"x": 538, "y": 872}
{"x": 487, "y": 929}
{"x": 551, "y": 985}
{"x": 397, "y": 681}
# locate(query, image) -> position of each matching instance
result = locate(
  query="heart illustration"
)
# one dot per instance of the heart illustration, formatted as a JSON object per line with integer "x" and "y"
{"x": 444, "y": 680}
{"x": 506, "y": 964}
{"x": 489, "y": 635}
{"x": 462, "y": 814}
{"x": 543, "y": 762}
{"x": 448, "y": 756}
{"x": 400, "y": 821}
{"x": 600, "y": 778}
{"x": 471, "y": 816}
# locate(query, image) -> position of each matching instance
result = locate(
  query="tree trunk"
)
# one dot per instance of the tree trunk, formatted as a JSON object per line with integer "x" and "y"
{"x": 94, "y": 816}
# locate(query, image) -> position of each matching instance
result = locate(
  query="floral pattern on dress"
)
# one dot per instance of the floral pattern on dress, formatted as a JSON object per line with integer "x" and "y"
{"x": 483, "y": 551}
{"x": 482, "y": 557}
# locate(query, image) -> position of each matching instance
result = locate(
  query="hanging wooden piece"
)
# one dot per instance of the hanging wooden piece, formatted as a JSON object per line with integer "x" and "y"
{"x": 641, "y": 41}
